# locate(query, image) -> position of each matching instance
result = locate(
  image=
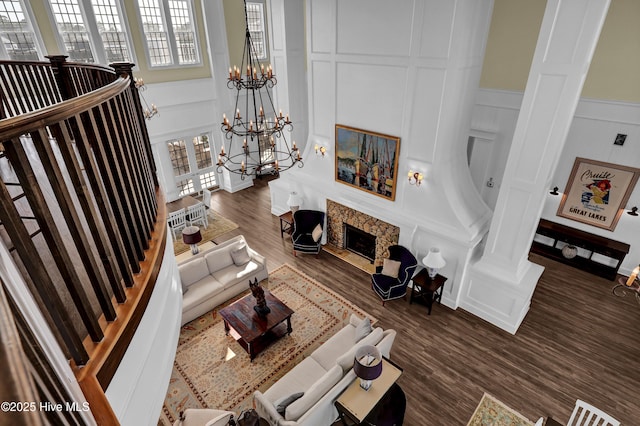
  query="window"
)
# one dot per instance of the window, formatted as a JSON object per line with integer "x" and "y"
{"x": 112, "y": 31}
{"x": 179, "y": 159}
{"x": 255, "y": 19}
{"x": 193, "y": 167}
{"x": 18, "y": 37}
{"x": 170, "y": 32}
{"x": 92, "y": 31}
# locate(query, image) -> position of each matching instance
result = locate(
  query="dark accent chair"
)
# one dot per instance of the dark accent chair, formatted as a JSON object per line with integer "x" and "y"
{"x": 304, "y": 222}
{"x": 389, "y": 288}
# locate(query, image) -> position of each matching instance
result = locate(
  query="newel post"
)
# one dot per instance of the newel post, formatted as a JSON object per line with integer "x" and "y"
{"x": 127, "y": 68}
{"x": 62, "y": 75}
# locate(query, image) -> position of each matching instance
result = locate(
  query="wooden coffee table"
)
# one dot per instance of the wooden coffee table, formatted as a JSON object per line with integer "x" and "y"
{"x": 253, "y": 332}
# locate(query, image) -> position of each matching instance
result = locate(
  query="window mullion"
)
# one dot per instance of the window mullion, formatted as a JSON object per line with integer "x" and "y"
{"x": 95, "y": 39}
{"x": 173, "y": 46}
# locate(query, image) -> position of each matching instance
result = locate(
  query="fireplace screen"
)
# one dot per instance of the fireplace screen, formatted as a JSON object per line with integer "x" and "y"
{"x": 360, "y": 242}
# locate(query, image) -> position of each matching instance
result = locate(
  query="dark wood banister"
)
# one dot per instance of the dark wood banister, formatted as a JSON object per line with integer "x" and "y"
{"x": 13, "y": 127}
{"x": 104, "y": 356}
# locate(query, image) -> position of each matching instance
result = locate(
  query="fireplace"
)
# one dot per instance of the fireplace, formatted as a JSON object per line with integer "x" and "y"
{"x": 360, "y": 242}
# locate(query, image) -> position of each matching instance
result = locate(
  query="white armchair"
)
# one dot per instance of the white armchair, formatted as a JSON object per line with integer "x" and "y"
{"x": 197, "y": 213}
{"x": 177, "y": 221}
{"x": 586, "y": 414}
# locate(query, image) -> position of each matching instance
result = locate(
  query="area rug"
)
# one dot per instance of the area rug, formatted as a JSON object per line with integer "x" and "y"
{"x": 212, "y": 370}
{"x": 491, "y": 412}
{"x": 218, "y": 225}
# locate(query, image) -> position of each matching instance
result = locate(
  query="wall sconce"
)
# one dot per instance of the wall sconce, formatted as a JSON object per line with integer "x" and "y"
{"x": 555, "y": 191}
{"x": 320, "y": 149}
{"x": 415, "y": 178}
{"x": 633, "y": 211}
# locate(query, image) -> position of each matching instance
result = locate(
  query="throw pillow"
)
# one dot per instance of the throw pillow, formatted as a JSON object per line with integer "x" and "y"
{"x": 282, "y": 403}
{"x": 363, "y": 329}
{"x": 390, "y": 268}
{"x": 317, "y": 233}
{"x": 240, "y": 256}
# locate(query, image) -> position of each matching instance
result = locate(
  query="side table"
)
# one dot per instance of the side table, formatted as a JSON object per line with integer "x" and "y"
{"x": 286, "y": 223}
{"x": 385, "y": 398}
{"x": 426, "y": 289}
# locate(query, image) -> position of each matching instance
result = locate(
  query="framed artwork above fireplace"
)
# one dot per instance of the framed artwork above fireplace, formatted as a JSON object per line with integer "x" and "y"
{"x": 367, "y": 161}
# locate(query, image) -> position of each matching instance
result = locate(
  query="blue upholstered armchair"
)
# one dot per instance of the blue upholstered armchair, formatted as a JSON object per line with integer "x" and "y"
{"x": 306, "y": 238}
{"x": 390, "y": 287}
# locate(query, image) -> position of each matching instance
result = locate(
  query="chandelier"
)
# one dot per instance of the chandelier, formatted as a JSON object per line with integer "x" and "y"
{"x": 255, "y": 137}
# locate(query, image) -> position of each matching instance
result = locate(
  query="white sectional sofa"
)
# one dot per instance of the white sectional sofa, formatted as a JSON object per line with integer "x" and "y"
{"x": 322, "y": 377}
{"x": 214, "y": 276}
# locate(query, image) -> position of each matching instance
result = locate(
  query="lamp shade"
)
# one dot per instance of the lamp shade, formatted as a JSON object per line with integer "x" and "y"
{"x": 368, "y": 362}
{"x": 191, "y": 235}
{"x": 434, "y": 259}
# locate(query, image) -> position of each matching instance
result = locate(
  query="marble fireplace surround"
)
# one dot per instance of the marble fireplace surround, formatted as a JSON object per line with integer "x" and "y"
{"x": 337, "y": 215}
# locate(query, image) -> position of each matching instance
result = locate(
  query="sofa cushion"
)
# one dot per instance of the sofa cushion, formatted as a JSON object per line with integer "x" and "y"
{"x": 232, "y": 273}
{"x": 313, "y": 394}
{"x": 363, "y": 329}
{"x": 345, "y": 361}
{"x": 192, "y": 272}
{"x": 201, "y": 291}
{"x": 240, "y": 256}
{"x": 221, "y": 258}
{"x": 284, "y": 402}
{"x": 334, "y": 347}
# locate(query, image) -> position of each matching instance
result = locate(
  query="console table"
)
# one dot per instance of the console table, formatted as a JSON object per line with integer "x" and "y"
{"x": 593, "y": 244}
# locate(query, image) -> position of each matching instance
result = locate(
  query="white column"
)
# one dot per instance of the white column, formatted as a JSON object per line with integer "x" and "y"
{"x": 499, "y": 286}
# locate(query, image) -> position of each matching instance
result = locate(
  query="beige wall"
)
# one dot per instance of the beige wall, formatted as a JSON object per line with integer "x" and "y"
{"x": 615, "y": 67}
{"x": 150, "y": 75}
{"x": 512, "y": 39}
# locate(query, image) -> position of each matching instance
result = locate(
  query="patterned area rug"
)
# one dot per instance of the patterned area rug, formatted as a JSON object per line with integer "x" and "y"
{"x": 218, "y": 225}
{"x": 491, "y": 412}
{"x": 212, "y": 370}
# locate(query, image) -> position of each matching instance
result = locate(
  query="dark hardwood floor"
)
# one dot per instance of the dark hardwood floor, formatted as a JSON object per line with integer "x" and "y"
{"x": 577, "y": 341}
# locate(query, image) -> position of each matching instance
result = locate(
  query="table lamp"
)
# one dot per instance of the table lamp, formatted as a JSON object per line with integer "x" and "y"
{"x": 434, "y": 261}
{"x": 294, "y": 202}
{"x": 191, "y": 235}
{"x": 367, "y": 365}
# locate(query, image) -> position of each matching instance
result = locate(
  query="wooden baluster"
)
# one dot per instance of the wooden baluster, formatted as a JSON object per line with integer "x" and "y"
{"x": 101, "y": 238}
{"x": 22, "y": 167}
{"x": 125, "y": 67}
{"x": 102, "y": 138}
{"x": 70, "y": 214}
{"x": 44, "y": 290}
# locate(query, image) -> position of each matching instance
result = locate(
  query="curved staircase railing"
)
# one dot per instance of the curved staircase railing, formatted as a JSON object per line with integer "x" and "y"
{"x": 80, "y": 208}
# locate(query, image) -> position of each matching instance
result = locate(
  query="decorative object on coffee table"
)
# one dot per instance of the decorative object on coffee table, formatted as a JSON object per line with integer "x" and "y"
{"x": 261, "y": 307}
{"x": 191, "y": 235}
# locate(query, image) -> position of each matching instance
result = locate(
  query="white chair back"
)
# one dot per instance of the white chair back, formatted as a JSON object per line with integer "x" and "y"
{"x": 586, "y": 414}
{"x": 197, "y": 214}
{"x": 177, "y": 221}
{"x": 206, "y": 198}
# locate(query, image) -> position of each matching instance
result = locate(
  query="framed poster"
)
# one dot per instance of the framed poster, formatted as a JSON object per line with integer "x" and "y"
{"x": 367, "y": 160}
{"x": 597, "y": 192}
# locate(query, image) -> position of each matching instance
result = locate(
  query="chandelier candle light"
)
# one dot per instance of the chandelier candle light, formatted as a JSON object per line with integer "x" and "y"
{"x": 255, "y": 137}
